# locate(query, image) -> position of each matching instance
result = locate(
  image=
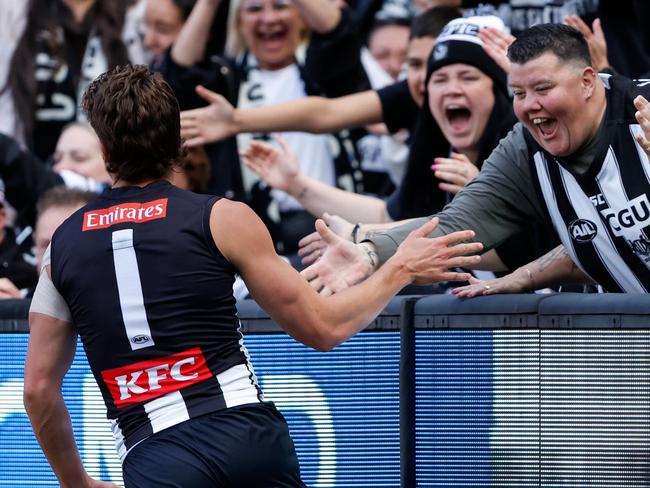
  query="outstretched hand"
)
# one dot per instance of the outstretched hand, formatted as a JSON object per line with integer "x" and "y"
{"x": 456, "y": 170}
{"x": 341, "y": 265}
{"x": 595, "y": 38}
{"x": 516, "y": 282}
{"x": 312, "y": 246}
{"x": 278, "y": 167}
{"x": 208, "y": 124}
{"x": 428, "y": 260}
{"x": 643, "y": 118}
{"x": 495, "y": 44}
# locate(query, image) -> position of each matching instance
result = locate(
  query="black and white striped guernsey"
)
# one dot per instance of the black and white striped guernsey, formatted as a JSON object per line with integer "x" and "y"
{"x": 603, "y": 216}
{"x": 151, "y": 298}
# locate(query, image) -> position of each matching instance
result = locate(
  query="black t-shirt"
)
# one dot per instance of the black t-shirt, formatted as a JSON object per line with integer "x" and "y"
{"x": 12, "y": 263}
{"x": 398, "y": 107}
{"x": 525, "y": 247}
{"x": 397, "y": 212}
{"x": 399, "y": 112}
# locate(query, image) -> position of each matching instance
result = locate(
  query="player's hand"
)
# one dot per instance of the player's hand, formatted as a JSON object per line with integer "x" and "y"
{"x": 456, "y": 170}
{"x": 428, "y": 259}
{"x": 278, "y": 167}
{"x": 643, "y": 118}
{"x": 208, "y": 124}
{"x": 341, "y": 265}
{"x": 495, "y": 44}
{"x": 516, "y": 282}
{"x": 312, "y": 246}
{"x": 595, "y": 38}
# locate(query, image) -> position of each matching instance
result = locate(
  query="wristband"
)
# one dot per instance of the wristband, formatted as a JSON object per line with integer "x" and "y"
{"x": 355, "y": 233}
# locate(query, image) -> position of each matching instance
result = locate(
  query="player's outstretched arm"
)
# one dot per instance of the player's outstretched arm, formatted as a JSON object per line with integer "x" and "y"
{"x": 52, "y": 344}
{"x": 319, "y": 321}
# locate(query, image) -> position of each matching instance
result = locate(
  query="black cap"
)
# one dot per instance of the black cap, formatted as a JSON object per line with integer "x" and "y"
{"x": 459, "y": 43}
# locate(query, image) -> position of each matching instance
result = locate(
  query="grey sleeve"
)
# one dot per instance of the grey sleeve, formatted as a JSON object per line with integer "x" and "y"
{"x": 498, "y": 203}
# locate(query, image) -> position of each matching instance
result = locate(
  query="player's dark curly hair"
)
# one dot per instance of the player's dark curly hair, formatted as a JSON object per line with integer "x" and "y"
{"x": 137, "y": 119}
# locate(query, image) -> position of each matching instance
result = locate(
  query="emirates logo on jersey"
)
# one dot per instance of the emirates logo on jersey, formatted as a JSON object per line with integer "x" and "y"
{"x": 146, "y": 380}
{"x": 124, "y": 212}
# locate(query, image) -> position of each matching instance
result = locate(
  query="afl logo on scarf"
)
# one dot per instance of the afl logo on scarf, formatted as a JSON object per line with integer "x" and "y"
{"x": 582, "y": 230}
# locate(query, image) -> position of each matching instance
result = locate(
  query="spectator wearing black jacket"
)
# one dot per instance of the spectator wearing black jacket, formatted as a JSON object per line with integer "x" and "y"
{"x": 16, "y": 273}
{"x": 279, "y": 51}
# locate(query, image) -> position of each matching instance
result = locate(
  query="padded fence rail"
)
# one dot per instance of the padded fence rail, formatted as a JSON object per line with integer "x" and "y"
{"x": 503, "y": 391}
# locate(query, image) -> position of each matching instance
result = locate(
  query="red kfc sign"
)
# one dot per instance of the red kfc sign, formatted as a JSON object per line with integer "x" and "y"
{"x": 146, "y": 380}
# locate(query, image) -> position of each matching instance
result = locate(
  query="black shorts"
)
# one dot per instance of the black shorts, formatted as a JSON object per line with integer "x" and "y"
{"x": 246, "y": 446}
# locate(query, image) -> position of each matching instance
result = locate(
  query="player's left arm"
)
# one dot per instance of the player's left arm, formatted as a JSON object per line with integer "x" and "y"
{"x": 52, "y": 344}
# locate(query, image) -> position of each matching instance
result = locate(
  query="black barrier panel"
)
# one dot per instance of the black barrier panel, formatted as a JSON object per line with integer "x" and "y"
{"x": 407, "y": 394}
{"x": 13, "y": 315}
{"x": 476, "y": 367}
{"x": 595, "y": 311}
{"x": 490, "y": 312}
{"x": 545, "y": 407}
{"x": 595, "y": 390}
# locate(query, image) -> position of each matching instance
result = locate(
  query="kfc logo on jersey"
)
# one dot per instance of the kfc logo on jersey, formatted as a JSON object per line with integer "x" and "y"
{"x": 146, "y": 380}
{"x": 125, "y": 212}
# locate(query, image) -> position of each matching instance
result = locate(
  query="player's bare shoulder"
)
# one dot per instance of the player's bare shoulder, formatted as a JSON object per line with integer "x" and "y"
{"x": 237, "y": 231}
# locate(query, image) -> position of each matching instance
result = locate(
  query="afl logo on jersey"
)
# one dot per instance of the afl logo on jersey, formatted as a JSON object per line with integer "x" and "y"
{"x": 140, "y": 339}
{"x": 582, "y": 230}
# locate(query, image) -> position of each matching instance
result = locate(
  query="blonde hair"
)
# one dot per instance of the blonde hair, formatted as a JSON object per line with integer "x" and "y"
{"x": 235, "y": 44}
{"x": 234, "y": 40}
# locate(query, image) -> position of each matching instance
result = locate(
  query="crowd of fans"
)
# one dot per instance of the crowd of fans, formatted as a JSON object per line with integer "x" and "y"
{"x": 300, "y": 108}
